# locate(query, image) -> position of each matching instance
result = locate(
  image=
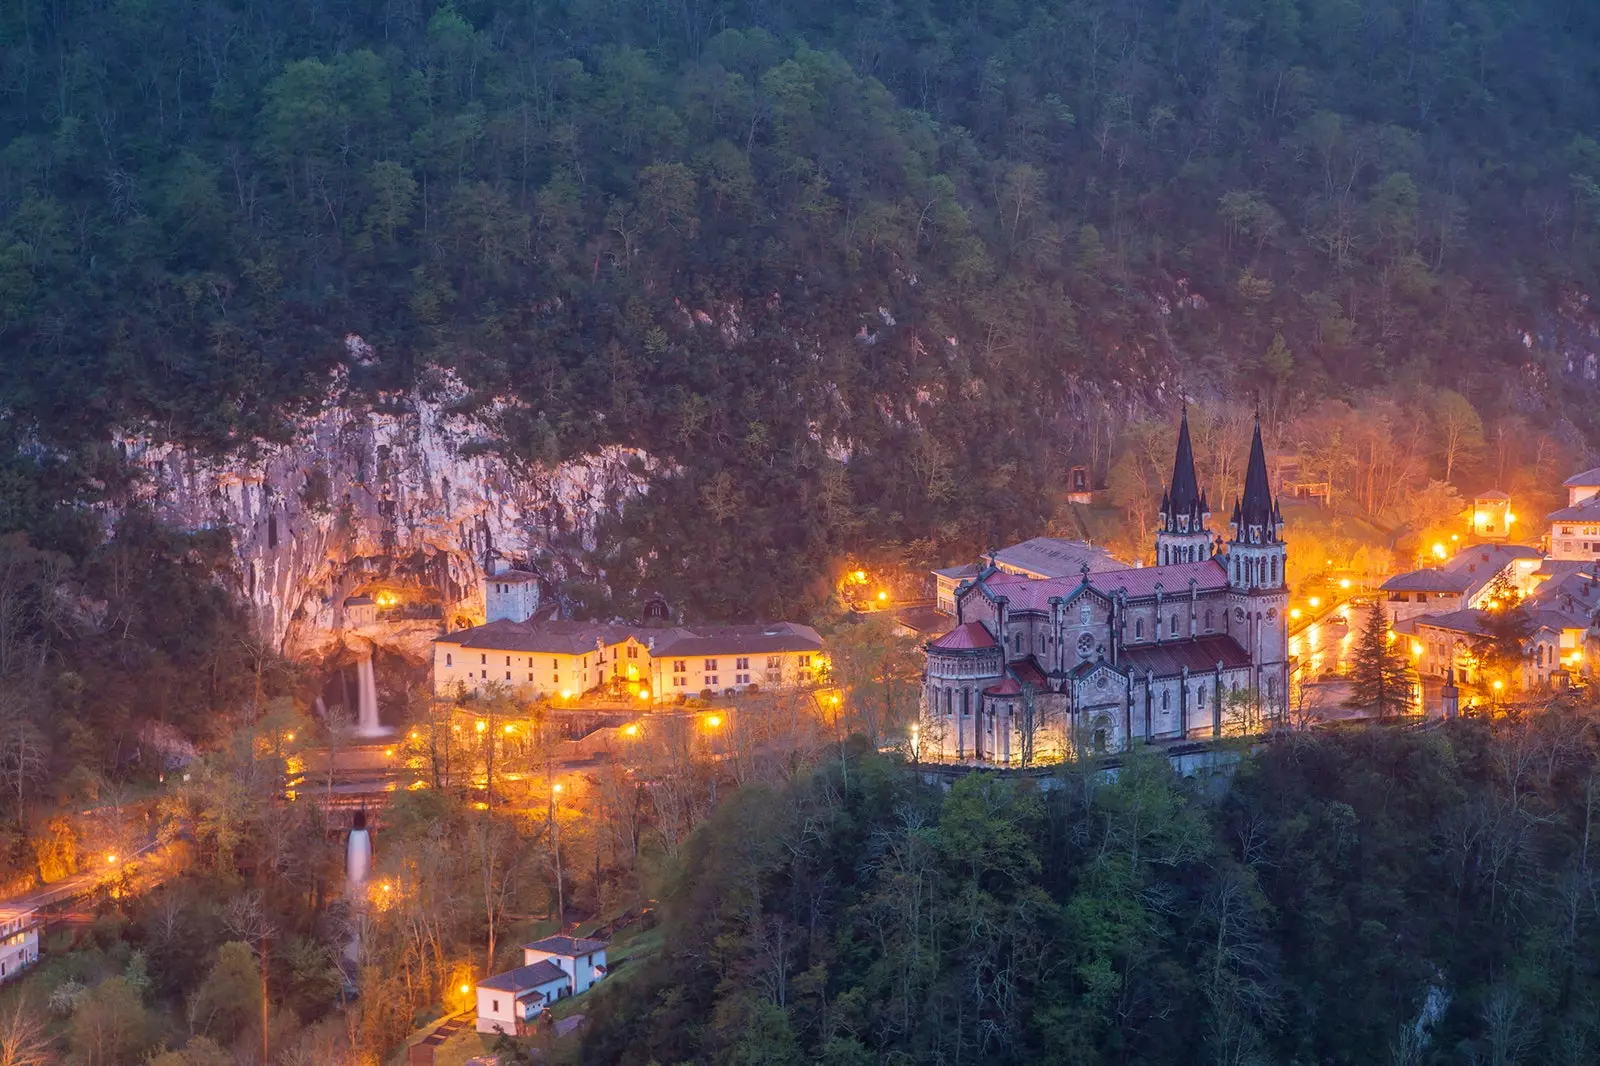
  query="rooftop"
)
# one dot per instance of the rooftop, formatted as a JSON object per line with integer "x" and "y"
{"x": 924, "y": 620}
{"x": 1427, "y": 580}
{"x": 1469, "y": 622}
{"x": 525, "y": 978}
{"x": 1169, "y": 660}
{"x": 1052, "y": 557}
{"x": 966, "y": 637}
{"x": 1589, "y": 479}
{"x": 513, "y": 577}
{"x": 1494, "y": 495}
{"x": 1032, "y": 594}
{"x": 578, "y": 638}
{"x": 569, "y": 946}
{"x": 358, "y": 601}
{"x": 1587, "y": 511}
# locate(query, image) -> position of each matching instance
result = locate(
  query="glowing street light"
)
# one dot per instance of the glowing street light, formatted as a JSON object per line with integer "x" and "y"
{"x": 289, "y": 737}
{"x": 482, "y": 725}
{"x": 714, "y": 720}
{"x": 1416, "y": 649}
{"x": 861, "y": 577}
{"x": 1344, "y": 582}
{"x": 882, "y": 596}
{"x": 1294, "y": 612}
{"x": 1315, "y": 601}
{"x": 556, "y": 787}
{"x": 1439, "y": 551}
{"x": 466, "y": 989}
{"x": 566, "y": 693}
{"x": 630, "y": 730}
{"x": 644, "y": 694}
{"x": 510, "y": 728}
{"x": 111, "y": 858}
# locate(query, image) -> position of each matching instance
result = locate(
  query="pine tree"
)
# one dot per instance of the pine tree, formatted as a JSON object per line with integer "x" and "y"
{"x": 1381, "y": 678}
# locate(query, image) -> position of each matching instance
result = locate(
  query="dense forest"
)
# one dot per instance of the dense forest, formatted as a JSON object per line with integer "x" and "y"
{"x": 956, "y": 244}
{"x": 1376, "y": 897}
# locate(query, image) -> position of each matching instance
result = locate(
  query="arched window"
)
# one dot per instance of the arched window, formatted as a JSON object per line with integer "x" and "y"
{"x": 1174, "y": 626}
{"x": 1200, "y": 696}
{"x": 1165, "y": 699}
{"x": 1208, "y": 619}
{"x": 1138, "y": 629}
{"x": 1274, "y": 570}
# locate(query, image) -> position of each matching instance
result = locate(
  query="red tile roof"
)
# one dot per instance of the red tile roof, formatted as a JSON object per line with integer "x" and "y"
{"x": 1032, "y": 594}
{"x": 1028, "y": 672}
{"x": 1168, "y": 660}
{"x": 964, "y": 638}
{"x": 1006, "y": 686}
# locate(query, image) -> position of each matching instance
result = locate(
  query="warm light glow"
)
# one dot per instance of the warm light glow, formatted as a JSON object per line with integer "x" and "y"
{"x": 714, "y": 721}
{"x": 1510, "y": 518}
{"x": 1315, "y": 601}
{"x": 1455, "y": 536}
{"x": 1344, "y": 582}
{"x": 415, "y": 734}
{"x": 111, "y": 858}
{"x": 882, "y": 596}
{"x": 1498, "y": 685}
{"x": 861, "y": 576}
{"x": 482, "y": 725}
{"x": 510, "y": 728}
{"x": 644, "y": 694}
{"x": 1389, "y": 636}
{"x": 387, "y": 886}
{"x": 556, "y": 787}
{"x": 1294, "y": 612}
{"x": 566, "y": 694}
{"x": 834, "y": 699}
{"x": 289, "y": 737}
{"x": 630, "y": 730}
{"x": 1440, "y": 552}
{"x": 466, "y": 989}
{"x": 1416, "y": 649}
{"x": 388, "y": 753}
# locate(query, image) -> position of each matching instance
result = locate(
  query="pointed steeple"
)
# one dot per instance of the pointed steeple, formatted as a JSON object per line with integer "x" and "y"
{"x": 1257, "y": 509}
{"x": 1184, "y": 493}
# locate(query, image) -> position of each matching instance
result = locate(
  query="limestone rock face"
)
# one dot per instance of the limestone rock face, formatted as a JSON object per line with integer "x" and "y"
{"x": 398, "y": 491}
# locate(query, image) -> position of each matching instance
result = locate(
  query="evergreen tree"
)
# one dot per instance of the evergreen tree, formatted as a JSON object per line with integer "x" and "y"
{"x": 1380, "y": 677}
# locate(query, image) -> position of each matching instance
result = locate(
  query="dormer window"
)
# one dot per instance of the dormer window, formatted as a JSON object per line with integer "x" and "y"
{"x": 1183, "y": 523}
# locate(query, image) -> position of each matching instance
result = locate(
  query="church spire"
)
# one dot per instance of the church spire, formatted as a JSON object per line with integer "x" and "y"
{"x": 1256, "y": 510}
{"x": 1184, "y": 509}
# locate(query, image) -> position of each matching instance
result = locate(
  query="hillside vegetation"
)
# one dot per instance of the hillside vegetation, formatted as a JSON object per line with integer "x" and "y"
{"x": 958, "y": 243}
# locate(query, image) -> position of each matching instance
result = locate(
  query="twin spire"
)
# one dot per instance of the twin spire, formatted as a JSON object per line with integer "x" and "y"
{"x": 1184, "y": 509}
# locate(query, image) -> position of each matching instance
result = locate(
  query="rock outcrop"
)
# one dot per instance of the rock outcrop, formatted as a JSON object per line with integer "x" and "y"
{"x": 399, "y": 491}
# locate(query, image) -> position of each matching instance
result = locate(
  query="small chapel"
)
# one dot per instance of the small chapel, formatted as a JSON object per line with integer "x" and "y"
{"x": 1039, "y": 670}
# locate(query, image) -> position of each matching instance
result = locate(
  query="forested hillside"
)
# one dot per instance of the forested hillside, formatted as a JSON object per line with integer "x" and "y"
{"x": 1376, "y": 897}
{"x": 954, "y": 243}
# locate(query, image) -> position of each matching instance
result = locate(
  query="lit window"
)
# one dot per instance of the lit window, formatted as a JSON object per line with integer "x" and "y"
{"x": 680, "y": 665}
{"x": 711, "y": 664}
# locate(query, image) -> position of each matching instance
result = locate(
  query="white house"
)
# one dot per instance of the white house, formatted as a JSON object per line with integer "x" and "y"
{"x": 19, "y": 939}
{"x": 509, "y": 1002}
{"x": 581, "y": 959}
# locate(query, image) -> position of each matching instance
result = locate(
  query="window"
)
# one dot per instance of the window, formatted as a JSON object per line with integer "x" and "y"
{"x": 633, "y": 651}
{"x": 741, "y": 664}
{"x": 449, "y": 660}
{"x": 1200, "y": 696}
{"x": 774, "y": 662}
{"x": 1174, "y": 625}
{"x": 1083, "y": 615}
{"x": 680, "y": 682}
{"x": 555, "y": 679}
{"x": 1016, "y": 644}
{"x": 711, "y": 664}
{"x": 530, "y": 675}
{"x": 680, "y": 665}
{"x": 1138, "y": 629}
{"x": 711, "y": 680}
{"x": 555, "y": 664}
{"x": 805, "y": 660}
{"x": 508, "y": 675}
{"x": 1208, "y": 619}
{"x": 741, "y": 679}
{"x": 483, "y": 660}
{"x": 805, "y": 676}
{"x": 1165, "y": 699}
{"x": 586, "y": 662}
{"x": 496, "y": 1007}
{"x": 484, "y": 675}
{"x": 508, "y": 660}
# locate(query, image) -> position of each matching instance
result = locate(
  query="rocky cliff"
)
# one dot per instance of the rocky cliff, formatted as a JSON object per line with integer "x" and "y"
{"x": 393, "y": 493}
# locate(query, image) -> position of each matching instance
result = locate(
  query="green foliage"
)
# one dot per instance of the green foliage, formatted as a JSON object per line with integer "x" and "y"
{"x": 228, "y": 1002}
{"x": 1305, "y": 912}
{"x": 1381, "y": 679}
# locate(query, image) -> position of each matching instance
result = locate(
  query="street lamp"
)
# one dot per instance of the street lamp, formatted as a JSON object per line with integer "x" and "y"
{"x": 630, "y": 730}
{"x": 714, "y": 720}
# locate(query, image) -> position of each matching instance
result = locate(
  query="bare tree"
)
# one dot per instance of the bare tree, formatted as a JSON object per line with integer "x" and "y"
{"x": 23, "y": 1040}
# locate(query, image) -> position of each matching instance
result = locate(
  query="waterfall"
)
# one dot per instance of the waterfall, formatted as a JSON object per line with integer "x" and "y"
{"x": 358, "y": 857}
{"x": 367, "y": 723}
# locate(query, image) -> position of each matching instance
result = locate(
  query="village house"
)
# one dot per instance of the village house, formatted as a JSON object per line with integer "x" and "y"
{"x": 556, "y": 659}
{"x": 553, "y": 969}
{"x": 1043, "y": 668}
{"x": 1574, "y": 532}
{"x": 1467, "y": 581}
{"x": 1491, "y": 515}
{"x": 582, "y": 959}
{"x": 510, "y": 1002}
{"x": 19, "y": 939}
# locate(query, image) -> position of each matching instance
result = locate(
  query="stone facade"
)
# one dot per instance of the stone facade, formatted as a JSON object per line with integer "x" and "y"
{"x": 1038, "y": 670}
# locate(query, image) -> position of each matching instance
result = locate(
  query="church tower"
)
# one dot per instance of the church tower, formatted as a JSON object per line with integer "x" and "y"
{"x": 1183, "y": 535}
{"x": 1258, "y": 599}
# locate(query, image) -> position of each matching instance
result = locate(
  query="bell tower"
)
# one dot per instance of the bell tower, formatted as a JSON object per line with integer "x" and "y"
{"x": 1183, "y": 534}
{"x": 1258, "y": 593}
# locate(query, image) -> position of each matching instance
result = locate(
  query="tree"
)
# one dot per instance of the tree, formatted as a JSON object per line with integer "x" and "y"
{"x": 1459, "y": 429}
{"x": 23, "y": 1038}
{"x": 228, "y": 1002}
{"x": 1381, "y": 679}
{"x": 109, "y": 1025}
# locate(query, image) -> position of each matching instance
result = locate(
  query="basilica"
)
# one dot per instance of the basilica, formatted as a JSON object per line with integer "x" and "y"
{"x": 1040, "y": 669}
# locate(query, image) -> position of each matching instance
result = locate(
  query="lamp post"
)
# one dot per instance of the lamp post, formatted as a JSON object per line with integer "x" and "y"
{"x": 555, "y": 846}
